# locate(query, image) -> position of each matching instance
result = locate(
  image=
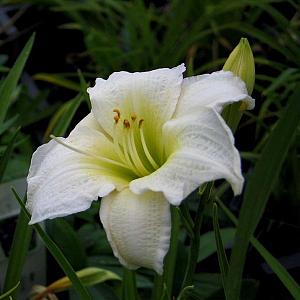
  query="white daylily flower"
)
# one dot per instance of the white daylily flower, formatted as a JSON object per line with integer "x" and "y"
{"x": 150, "y": 140}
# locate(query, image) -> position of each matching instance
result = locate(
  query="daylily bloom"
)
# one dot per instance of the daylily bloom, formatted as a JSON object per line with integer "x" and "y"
{"x": 150, "y": 140}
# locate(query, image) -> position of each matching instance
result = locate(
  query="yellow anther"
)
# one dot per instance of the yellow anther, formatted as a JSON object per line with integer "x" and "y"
{"x": 141, "y": 122}
{"x": 117, "y": 112}
{"x": 126, "y": 123}
{"x": 133, "y": 116}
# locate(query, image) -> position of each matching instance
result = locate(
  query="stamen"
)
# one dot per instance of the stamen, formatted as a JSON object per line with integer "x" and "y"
{"x": 116, "y": 118}
{"x": 133, "y": 116}
{"x": 126, "y": 153}
{"x": 75, "y": 149}
{"x": 146, "y": 150}
{"x": 141, "y": 122}
{"x": 126, "y": 123}
{"x": 135, "y": 156}
{"x": 117, "y": 112}
{"x": 117, "y": 146}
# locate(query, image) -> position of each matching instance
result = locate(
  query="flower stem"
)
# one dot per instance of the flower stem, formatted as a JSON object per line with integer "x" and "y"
{"x": 129, "y": 290}
{"x": 195, "y": 240}
{"x": 163, "y": 285}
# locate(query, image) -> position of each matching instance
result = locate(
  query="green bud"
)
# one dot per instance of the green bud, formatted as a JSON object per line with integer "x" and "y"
{"x": 241, "y": 63}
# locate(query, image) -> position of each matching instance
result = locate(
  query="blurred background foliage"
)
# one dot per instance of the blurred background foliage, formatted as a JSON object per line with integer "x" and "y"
{"x": 77, "y": 41}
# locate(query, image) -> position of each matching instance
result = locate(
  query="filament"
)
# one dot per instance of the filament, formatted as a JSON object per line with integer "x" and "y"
{"x": 75, "y": 149}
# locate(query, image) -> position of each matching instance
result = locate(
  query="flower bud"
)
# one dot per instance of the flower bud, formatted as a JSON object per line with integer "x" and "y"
{"x": 241, "y": 63}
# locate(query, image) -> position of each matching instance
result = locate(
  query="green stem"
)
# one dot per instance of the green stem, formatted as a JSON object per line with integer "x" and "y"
{"x": 195, "y": 241}
{"x": 163, "y": 285}
{"x": 129, "y": 290}
{"x": 223, "y": 262}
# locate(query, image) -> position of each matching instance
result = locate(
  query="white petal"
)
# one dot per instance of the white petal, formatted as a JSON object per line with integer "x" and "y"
{"x": 138, "y": 228}
{"x": 151, "y": 95}
{"x": 200, "y": 149}
{"x": 212, "y": 90}
{"x": 62, "y": 182}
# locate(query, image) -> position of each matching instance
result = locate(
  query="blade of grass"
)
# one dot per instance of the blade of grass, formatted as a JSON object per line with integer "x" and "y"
{"x": 10, "y": 82}
{"x": 17, "y": 256}
{"x": 57, "y": 254}
{"x": 7, "y": 153}
{"x": 259, "y": 188}
{"x": 223, "y": 262}
{"x": 208, "y": 245}
{"x": 284, "y": 276}
{"x": 186, "y": 219}
{"x": 64, "y": 123}
{"x": 60, "y": 122}
{"x": 9, "y": 292}
{"x": 83, "y": 87}
{"x": 89, "y": 276}
{"x": 8, "y": 124}
{"x": 58, "y": 80}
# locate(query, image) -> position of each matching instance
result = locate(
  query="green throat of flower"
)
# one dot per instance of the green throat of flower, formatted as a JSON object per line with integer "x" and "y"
{"x": 130, "y": 145}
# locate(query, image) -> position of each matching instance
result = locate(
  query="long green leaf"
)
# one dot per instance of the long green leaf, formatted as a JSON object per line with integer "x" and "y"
{"x": 57, "y": 254}
{"x": 258, "y": 190}
{"x": 208, "y": 245}
{"x": 88, "y": 276}
{"x": 18, "y": 253}
{"x": 8, "y": 124}
{"x": 5, "y": 158}
{"x": 58, "y": 80}
{"x": 63, "y": 234}
{"x": 10, "y": 82}
{"x": 63, "y": 124}
{"x": 62, "y": 119}
{"x": 9, "y": 292}
{"x": 223, "y": 262}
{"x": 288, "y": 281}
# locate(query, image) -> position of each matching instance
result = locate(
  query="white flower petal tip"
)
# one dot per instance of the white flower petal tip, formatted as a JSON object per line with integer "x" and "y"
{"x": 214, "y": 90}
{"x": 138, "y": 228}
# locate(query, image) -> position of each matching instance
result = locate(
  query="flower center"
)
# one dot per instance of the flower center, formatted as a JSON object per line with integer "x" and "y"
{"x": 130, "y": 144}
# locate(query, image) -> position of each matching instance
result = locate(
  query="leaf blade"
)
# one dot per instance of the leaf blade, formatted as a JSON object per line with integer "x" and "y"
{"x": 10, "y": 82}
{"x": 57, "y": 254}
{"x": 259, "y": 188}
{"x": 223, "y": 262}
{"x": 18, "y": 252}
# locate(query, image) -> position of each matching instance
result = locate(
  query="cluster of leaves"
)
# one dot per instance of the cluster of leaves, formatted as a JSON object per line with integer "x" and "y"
{"x": 133, "y": 36}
